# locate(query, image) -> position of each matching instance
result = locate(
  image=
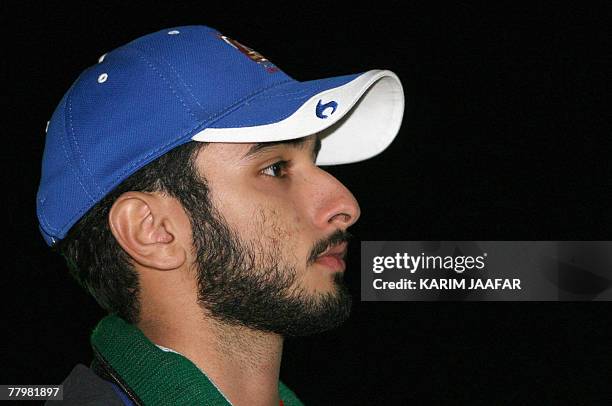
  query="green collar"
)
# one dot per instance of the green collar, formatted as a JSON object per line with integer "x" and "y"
{"x": 155, "y": 376}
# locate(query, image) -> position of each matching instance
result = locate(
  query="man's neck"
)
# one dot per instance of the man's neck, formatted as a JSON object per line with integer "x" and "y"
{"x": 243, "y": 363}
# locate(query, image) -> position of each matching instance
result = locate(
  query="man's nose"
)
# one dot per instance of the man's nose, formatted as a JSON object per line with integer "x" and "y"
{"x": 336, "y": 207}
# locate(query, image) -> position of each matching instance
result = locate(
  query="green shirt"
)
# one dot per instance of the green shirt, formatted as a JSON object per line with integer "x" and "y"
{"x": 155, "y": 376}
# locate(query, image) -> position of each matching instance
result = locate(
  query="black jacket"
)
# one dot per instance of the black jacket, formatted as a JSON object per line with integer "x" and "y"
{"x": 84, "y": 387}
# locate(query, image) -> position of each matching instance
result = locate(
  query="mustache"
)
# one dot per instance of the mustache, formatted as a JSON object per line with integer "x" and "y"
{"x": 339, "y": 236}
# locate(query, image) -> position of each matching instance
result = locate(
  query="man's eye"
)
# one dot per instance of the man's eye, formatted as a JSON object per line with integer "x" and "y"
{"x": 277, "y": 169}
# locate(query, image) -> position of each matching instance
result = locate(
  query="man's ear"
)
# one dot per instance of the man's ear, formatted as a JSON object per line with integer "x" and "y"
{"x": 144, "y": 226}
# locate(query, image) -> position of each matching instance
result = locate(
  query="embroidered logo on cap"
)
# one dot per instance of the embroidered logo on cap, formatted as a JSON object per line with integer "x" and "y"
{"x": 322, "y": 107}
{"x": 252, "y": 54}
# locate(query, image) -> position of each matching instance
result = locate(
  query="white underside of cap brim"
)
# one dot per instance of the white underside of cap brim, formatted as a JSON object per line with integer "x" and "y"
{"x": 367, "y": 118}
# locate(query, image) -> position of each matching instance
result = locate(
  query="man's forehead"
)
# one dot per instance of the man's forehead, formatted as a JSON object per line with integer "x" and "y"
{"x": 311, "y": 142}
{"x": 246, "y": 151}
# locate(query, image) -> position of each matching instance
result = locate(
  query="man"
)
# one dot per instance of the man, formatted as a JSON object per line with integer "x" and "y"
{"x": 180, "y": 182}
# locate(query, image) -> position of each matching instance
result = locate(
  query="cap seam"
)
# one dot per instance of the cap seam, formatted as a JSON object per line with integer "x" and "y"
{"x": 284, "y": 94}
{"x": 185, "y": 85}
{"x": 78, "y": 150}
{"x": 76, "y": 172}
{"x": 174, "y": 92}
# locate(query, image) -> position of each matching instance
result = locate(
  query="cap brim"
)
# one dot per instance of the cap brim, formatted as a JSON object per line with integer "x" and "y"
{"x": 357, "y": 116}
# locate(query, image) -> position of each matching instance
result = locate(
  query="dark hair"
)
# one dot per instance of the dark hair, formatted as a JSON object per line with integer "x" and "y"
{"x": 95, "y": 258}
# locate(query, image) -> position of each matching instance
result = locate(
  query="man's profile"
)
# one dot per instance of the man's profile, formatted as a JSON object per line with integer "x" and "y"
{"x": 181, "y": 182}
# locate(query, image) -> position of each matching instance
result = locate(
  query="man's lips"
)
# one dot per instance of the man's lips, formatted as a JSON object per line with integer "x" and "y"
{"x": 333, "y": 257}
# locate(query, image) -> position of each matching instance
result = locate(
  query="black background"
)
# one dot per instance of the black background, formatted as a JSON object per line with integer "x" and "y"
{"x": 506, "y": 136}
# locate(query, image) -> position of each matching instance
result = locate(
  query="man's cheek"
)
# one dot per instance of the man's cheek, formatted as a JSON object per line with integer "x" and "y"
{"x": 269, "y": 225}
{"x": 297, "y": 220}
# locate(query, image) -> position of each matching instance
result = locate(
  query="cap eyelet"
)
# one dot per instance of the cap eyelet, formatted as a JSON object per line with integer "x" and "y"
{"x": 101, "y": 58}
{"x": 102, "y": 78}
{"x": 173, "y": 32}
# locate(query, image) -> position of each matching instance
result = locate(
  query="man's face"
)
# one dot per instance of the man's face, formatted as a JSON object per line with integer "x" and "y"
{"x": 271, "y": 258}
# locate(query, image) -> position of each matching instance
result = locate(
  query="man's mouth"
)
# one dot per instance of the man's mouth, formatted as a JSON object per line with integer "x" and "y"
{"x": 333, "y": 257}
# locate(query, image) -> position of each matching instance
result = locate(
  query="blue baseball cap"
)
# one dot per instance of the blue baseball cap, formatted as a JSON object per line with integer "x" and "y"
{"x": 187, "y": 83}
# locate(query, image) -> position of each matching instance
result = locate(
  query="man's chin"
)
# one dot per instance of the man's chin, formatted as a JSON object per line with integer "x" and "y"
{"x": 321, "y": 312}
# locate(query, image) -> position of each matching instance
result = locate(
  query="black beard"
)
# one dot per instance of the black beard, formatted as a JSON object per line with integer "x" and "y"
{"x": 241, "y": 284}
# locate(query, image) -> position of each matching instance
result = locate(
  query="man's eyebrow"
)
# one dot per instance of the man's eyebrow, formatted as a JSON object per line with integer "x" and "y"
{"x": 298, "y": 143}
